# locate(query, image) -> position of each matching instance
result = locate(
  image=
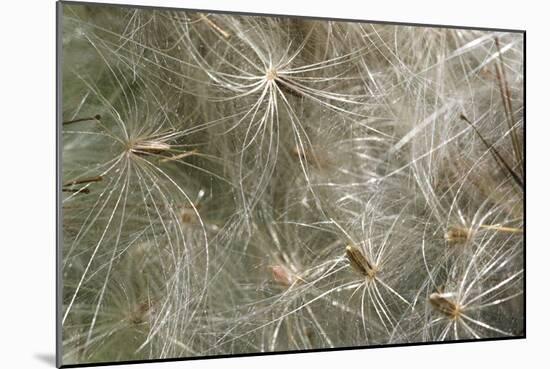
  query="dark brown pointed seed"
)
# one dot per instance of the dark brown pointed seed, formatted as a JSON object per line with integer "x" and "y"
{"x": 76, "y": 190}
{"x": 507, "y": 102}
{"x": 444, "y": 305}
{"x": 149, "y": 147}
{"x": 83, "y": 180}
{"x": 496, "y": 155}
{"x": 95, "y": 117}
{"x": 215, "y": 27}
{"x": 359, "y": 263}
{"x": 281, "y": 275}
{"x": 457, "y": 234}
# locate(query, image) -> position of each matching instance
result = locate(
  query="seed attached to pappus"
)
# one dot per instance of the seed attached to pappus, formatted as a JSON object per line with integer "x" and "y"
{"x": 179, "y": 156}
{"x": 282, "y": 83}
{"x": 359, "y": 262}
{"x": 458, "y": 235}
{"x": 80, "y": 181}
{"x": 141, "y": 312}
{"x": 83, "y": 181}
{"x": 96, "y": 117}
{"x": 282, "y": 275}
{"x": 463, "y": 235}
{"x": 148, "y": 147}
{"x": 214, "y": 26}
{"x": 76, "y": 190}
{"x": 188, "y": 214}
{"x": 445, "y": 306}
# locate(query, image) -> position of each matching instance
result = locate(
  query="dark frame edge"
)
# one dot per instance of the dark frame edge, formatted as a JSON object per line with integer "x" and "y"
{"x": 314, "y": 351}
{"x": 58, "y": 153}
{"x": 525, "y": 181}
{"x": 215, "y": 11}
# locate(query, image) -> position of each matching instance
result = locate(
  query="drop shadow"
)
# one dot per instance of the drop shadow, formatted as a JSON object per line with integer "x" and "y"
{"x": 46, "y": 358}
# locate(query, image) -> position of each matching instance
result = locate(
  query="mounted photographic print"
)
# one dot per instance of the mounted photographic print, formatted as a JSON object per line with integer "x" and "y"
{"x": 238, "y": 184}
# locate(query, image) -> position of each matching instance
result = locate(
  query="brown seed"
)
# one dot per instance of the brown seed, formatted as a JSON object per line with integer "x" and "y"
{"x": 359, "y": 262}
{"x": 149, "y": 147}
{"x": 179, "y": 156}
{"x": 95, "y": 117}
{"x": 139, "y": 315}
{"x": 281, "y": 275}
{"x": 76, "y": 190}
{"x": 83, "y": 180}
{"x": 215, "y": 27}
{"x": 445, "y": 306}
{"x": 458, "y": 234}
